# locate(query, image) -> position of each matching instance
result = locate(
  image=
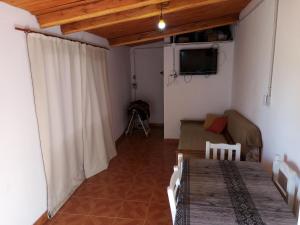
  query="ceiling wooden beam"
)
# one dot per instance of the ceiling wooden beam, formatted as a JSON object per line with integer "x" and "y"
{"x": 157, "y": 35}
{"x": 136, "y": 14}
{"x": 91, "y": 10}
{"x": 36, "y": 5}
{"x": 59, "y": 5}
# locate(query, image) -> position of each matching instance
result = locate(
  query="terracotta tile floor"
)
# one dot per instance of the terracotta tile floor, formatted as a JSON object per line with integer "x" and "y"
{"x": 132, "y": 191}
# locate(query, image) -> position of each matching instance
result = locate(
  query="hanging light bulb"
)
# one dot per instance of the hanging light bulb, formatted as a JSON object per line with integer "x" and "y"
{"x": 161, "y": 24}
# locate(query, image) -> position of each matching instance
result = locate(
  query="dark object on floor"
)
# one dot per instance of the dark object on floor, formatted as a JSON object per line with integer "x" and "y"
{"x": 141, "y": 107}
{"x": 139, "y": 114}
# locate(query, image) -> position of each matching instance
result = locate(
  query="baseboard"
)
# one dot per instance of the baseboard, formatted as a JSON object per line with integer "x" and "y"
{"x": 156, "y": 124}
{"x": 171, "y": 140}
{"x": 187, "y": 154}
{"x": 118, "y": 141}
{"x": 42, "y": 220}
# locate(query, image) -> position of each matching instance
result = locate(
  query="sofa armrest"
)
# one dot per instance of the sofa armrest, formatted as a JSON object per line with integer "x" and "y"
{"x": 253, "y": 155}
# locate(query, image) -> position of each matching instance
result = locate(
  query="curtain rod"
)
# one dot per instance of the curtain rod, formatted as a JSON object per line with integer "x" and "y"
{"x": 27, "y": 30}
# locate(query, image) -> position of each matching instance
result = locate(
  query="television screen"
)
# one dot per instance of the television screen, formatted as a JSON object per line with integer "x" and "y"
{"x": 199, "y": 61}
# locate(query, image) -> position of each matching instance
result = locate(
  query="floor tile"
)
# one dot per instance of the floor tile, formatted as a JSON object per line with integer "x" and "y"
{"x": 139, "y": 193}
{"x": 134, "y": 210}
{"x": 129, "y": 222}
{"x": 145, "y": 179}
{"x": 159, "y": 214}
{"x": 159, "y": 195}
{"x": 158, "y": 221}
{"x": 92, "y": 206}
{"x": 110, "y": 190}
{"x": 109, "y": 208}
{"x": 101, "y": 220}
{"x": 132, "y": 191}
{"x": 69, "y": 219}
{"x": 110, "y": 177}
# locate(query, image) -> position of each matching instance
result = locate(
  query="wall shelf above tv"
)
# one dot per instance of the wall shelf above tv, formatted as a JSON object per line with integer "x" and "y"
{"x": 223, "y": 33}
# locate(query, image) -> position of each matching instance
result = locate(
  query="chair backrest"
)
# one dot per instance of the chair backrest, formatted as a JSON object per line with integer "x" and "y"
{"x": 223, "y": 148}
{"x": 172, "y": 191}
{"x": 180, "y": 164}
{"x": 279, "y": 166}
{"x": 298, "y": 201}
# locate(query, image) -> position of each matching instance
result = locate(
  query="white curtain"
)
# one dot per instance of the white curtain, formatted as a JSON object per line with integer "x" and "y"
{"x": 73, "y": 112}
{"x": 97, "y": 120}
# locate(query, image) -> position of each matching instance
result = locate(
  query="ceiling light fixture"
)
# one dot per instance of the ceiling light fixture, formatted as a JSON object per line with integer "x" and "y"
{"x": 161, "y": 24}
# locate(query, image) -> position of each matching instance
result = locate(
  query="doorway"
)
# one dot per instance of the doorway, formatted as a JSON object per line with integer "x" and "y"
{"x": 147, "y": 73}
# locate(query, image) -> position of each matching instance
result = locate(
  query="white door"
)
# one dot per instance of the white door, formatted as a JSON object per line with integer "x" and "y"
{"x": 149, "y": 64}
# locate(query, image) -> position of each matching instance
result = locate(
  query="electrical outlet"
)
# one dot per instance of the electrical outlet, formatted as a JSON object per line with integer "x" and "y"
{"x": 173, "y": 74}
{"x": 134, "y": 85}
{"x": 267, "y": 99}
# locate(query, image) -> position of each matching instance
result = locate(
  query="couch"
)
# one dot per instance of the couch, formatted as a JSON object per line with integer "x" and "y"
{"x": 238, "y": 130}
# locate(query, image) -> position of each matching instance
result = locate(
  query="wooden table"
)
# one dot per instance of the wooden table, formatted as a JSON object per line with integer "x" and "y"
{"x": 216, "y": 192}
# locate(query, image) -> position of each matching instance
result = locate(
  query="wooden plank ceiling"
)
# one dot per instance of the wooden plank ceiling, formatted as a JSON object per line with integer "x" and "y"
{"x": 131, "y": 22}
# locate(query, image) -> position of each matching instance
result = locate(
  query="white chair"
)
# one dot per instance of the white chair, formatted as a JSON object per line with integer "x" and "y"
{"x": 230, "y": 149}
{"x": 298, "y": 200}
{"x": 279, "y": 166}
{"x": 172, "y": 191}
{"x": 180, "y": 164}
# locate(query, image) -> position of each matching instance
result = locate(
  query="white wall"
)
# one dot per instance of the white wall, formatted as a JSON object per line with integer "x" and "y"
{"x": 81, "y": 36}
{"x": 147, "y": 62}
{"x": 280, "y": 121}
{"x": 22, "y": 184}
{"x": 202, "y": 95}
{"x": 119, "y": 86}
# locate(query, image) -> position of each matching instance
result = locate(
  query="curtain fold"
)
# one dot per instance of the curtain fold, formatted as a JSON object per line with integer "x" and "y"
{"x": 72, "y": 107}
{"x": 97, "y": 120}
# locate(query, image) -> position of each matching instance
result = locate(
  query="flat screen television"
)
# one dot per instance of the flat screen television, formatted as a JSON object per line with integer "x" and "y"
{"x": 199, "y": 61}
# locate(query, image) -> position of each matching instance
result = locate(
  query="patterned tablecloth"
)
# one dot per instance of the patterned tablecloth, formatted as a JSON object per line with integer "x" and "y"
{"x": 216, "y": 192}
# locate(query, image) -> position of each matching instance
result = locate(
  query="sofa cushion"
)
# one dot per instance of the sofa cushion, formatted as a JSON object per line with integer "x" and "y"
{"x": 210, "y": 118}
{"x": 193, "y": 136}
{"x": 218, "y": 125}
